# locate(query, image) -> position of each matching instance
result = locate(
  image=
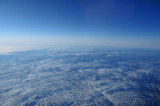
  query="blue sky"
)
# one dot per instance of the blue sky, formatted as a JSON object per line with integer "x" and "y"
{"x": 131, "y": 23}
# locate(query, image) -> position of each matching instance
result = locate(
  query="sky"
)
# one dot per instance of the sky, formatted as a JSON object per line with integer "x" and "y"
{"x": 119, "y": 23}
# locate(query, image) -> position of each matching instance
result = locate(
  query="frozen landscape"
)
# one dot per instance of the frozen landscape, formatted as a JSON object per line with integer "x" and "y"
{"x": 79, "y": 52}
{"x": 80, "y": 76}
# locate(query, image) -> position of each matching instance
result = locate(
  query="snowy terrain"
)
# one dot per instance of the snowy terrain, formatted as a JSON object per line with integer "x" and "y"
{"x": 80, "y": 76}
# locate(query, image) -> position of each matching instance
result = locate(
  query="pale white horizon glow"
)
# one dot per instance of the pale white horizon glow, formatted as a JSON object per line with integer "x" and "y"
{"x": 8, "y": 44}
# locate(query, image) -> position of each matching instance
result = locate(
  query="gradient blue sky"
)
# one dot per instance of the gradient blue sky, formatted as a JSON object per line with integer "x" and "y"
{"x": 130, "y": 23}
